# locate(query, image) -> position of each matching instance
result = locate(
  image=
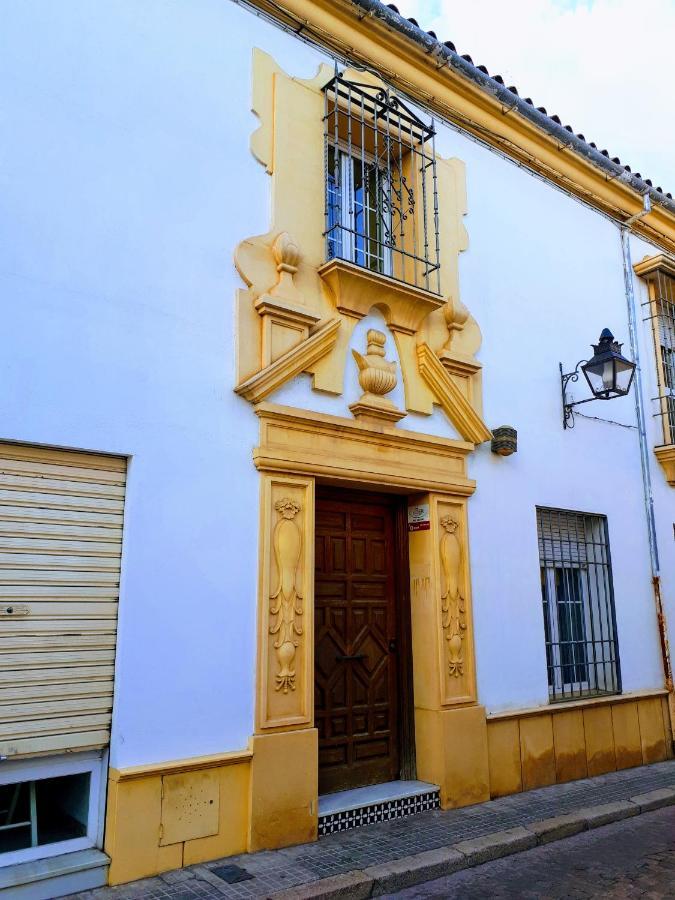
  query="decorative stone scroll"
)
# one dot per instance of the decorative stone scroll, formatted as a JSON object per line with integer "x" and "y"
{"x": 285, "y": 656}
{"x": 456, "y": 316}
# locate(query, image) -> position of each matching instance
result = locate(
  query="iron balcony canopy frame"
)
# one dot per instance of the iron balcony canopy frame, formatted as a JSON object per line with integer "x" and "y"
{"x": 381, "y": 184}
{"x": 608, "y": 373}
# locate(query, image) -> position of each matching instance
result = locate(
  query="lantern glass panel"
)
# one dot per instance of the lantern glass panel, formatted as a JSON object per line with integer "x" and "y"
{"x": 601, "y": 376}
{"x": 624, "y": 375}
{"x": 609, "y": 377}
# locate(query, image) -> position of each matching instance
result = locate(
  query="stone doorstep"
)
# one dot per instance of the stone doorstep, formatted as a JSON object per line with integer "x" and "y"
{"x": 348, "y": 810}
{"x": 431, "y": 864}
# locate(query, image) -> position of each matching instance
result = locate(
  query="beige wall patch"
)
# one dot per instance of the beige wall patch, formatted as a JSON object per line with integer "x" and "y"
{"x": 190, "y": 806}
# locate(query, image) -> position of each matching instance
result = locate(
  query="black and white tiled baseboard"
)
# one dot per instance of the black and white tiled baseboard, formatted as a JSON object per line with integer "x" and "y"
{"x": 334, "y": 820}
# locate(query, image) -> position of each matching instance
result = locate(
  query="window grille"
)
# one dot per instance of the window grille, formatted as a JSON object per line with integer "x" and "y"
{"x": 662, "y": 314}
{"x": 582, "y": 655}
{"x": 381, "y": 184}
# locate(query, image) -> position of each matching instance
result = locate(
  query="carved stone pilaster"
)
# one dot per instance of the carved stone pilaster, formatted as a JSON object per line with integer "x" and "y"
{"x": 442, "y": 630}
{"x": 453, "y": 604}
{"x": 454, "y": 609}
{"x": 285, "y": 657}
{"x": 286, "y": 601}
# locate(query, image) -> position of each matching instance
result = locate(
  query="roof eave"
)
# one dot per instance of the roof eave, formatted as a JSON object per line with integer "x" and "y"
{"x": 504, "y": 95}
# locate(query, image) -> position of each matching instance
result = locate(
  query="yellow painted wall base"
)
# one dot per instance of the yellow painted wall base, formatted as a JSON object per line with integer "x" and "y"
{"x": 284, "y": 789}
{"x": 132, "y": 831}
{"x": 452, "y": 752}
{"x": 670, "y": 724}
{"x": 532, "y": 748}
{"x": 267, "y": 796}
{"x": 137, "y": 817}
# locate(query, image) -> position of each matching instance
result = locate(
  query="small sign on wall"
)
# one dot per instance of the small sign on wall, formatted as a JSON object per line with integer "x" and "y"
{"x": 418, "y": 517}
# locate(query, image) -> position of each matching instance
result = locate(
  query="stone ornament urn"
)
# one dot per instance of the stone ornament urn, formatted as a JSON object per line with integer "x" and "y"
{"x": 377, "y": 377}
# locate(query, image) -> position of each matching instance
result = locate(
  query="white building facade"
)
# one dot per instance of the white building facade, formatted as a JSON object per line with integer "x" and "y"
{"x": 247, "y": 562}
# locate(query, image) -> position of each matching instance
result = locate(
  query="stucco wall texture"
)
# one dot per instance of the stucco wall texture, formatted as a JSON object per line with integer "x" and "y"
{"x": 133, "y": 186}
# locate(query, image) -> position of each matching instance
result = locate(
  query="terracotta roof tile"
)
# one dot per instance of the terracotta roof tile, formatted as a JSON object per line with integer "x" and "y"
{"x": 542, "y": 109}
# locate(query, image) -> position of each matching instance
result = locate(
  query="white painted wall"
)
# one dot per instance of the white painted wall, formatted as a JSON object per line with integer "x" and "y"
{"x": 543, "y": 275}
{"x": 127, "y": 183}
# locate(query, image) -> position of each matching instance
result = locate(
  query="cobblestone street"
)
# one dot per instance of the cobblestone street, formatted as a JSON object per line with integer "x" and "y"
{"x": 633, "y": 858}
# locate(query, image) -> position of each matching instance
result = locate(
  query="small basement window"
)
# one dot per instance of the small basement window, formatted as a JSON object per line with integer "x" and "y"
{"x": 33, "y": 813}
{"x": 381, "y": 185}
{"x": 49, "y": 807}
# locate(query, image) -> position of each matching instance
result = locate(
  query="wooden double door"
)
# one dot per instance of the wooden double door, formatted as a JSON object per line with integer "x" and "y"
{"x": 363, "y": 693}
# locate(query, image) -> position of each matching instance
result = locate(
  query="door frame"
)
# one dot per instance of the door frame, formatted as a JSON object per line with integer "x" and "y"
{"x": 405, "y": 695}
{"x": 297, "y": 448}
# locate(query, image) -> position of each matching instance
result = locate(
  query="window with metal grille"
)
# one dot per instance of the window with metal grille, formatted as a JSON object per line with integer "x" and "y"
{"x": 662, "y": 314}
{"x": 381, "y": 184}
{"x": 582, "y": 655}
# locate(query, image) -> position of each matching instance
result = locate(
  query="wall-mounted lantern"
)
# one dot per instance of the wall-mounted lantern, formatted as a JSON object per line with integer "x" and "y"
{"x": 608, "y": 373}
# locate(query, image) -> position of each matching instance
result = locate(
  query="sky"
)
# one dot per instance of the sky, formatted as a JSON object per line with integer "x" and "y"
{"x": 604, "y": 66}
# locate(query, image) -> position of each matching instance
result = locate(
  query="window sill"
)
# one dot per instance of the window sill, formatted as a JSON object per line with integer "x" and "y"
{"x": 666, "y": 457}
{"x": 44, "y": 851}
{"x": 581, "y": 695}
{"x": 357, "y": 290}
{"x": 560, "y": 706}
{"x": 74, "y": 871}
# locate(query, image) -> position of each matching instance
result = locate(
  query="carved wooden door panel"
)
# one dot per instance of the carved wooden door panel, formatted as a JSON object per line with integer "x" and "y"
{"x": 356, "y": 702}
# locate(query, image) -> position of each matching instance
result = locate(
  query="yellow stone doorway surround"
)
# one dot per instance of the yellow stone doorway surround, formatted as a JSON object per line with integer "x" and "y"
{"x": 296, "y": 449}
{"x": 173, "y": 814}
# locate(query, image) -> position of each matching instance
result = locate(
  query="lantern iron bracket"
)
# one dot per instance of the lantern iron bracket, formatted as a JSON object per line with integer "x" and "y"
{"x": 565, "y": 378}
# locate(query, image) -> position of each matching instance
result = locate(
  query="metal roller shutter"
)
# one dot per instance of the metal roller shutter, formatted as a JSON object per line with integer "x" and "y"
{"x": 61, "y": 515}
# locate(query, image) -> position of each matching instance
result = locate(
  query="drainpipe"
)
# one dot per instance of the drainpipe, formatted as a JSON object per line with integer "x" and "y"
{"x": 645, "y": 456}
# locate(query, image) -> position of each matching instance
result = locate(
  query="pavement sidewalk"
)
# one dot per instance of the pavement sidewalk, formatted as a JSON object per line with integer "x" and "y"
{"x": 378, "y": 859}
